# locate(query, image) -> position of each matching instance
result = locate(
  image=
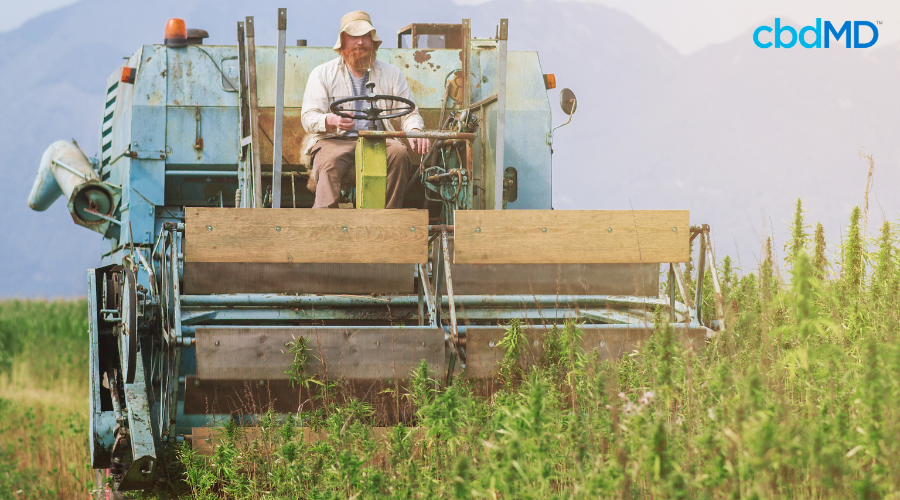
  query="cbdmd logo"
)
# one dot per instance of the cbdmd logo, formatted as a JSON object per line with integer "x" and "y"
{"x": 820, "y": 34}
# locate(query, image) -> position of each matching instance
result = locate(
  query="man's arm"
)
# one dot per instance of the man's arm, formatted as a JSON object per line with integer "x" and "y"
{"x": 315, "y": 103}
{"x": 316, "y": 118}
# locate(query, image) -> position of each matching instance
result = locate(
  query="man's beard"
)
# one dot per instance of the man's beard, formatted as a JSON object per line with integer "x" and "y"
{"x": 359, "y": 59}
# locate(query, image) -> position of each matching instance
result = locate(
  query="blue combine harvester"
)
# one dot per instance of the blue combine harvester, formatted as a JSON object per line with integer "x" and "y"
{"x": 214, "y": 269}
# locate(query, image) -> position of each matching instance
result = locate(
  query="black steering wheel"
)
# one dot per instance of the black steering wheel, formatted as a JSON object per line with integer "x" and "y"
{"x": 373, "y": 112}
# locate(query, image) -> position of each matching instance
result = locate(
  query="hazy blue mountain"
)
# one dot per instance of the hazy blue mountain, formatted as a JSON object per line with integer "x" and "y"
{"x": 733, "y": 133}
{"x": 736, "y": 134}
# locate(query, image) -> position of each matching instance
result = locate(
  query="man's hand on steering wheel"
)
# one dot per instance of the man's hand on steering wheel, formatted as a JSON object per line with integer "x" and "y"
{"x": 420, "y": 146}
{"x": 342, "y": 117}
{"x": 333, "y": 121}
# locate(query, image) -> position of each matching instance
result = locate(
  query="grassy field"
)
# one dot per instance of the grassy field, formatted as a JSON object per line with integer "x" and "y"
{"x": 796, "y": 398}
{"x": 43, "y": 400}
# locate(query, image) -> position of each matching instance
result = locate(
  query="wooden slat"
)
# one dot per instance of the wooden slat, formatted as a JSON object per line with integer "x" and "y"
{"x": 571, "y": 236}
{"x": 484, "y": 352}
{"x": 255, "y": 397}
{"x": 640, "y": 280}
{"x": 205, "y": 440}
{"x": 253, "y": 235}
{"x": 253, "y": 277}
{"x": 355, "y": 353}
{"x": 244, "y": 397}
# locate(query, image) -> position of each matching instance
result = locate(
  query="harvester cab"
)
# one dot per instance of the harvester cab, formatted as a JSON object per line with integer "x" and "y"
{"x": 221, "y": 294}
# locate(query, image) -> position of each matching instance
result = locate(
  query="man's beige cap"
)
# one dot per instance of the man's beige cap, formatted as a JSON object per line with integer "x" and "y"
{"x": 357, "y": 24}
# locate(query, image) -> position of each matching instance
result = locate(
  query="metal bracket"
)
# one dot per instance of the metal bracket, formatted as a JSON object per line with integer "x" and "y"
{"x": 501, "y": 114}
{"x": 279, "y": 110}
{"x": 144, "y": 155}
{"x": 104, "y": 217}
{"x": 682, "y": 289}
{"x": 695, "y": 306}
{"x": 427, "y": 294}
{"x": 257, "y": 192}
{"x": 175, "y": 284}
{"x": 198, "y": 137}
{"x": 457, "y": 343}
{"x": 140, "y": 475}
{"x": 720, "y": 301}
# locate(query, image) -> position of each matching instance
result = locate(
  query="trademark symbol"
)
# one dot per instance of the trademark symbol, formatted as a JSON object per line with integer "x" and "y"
{"x": 878, "y": 22}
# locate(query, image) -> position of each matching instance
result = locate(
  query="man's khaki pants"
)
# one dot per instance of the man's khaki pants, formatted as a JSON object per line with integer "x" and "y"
{"x": 335, "y": 158}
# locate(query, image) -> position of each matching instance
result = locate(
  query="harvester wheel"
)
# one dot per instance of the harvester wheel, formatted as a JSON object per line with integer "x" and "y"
{"x": 128, "y": 328}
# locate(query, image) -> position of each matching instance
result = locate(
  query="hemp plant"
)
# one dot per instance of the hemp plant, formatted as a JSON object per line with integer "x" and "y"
{"x": 299, "y": 348}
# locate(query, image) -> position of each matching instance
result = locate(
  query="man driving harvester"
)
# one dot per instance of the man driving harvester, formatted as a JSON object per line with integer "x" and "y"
{"x": 335, "y": 107}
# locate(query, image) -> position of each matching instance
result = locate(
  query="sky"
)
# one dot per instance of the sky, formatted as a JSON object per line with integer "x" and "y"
{"x": 688, "y": 25}
{"x": 17, "y": 13}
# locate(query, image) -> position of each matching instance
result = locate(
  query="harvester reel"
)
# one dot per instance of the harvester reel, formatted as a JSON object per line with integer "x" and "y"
{"x": 373, "y": 112}
{"x": 128, "y": 327}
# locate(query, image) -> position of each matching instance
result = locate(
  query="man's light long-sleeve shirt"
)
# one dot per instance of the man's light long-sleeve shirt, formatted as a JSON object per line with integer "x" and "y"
{"x": 331, "y": 81}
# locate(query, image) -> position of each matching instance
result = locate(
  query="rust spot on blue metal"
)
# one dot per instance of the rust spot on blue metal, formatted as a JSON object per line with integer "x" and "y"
{"x": 418, "y": 88}
{"x": 422, "y": 55}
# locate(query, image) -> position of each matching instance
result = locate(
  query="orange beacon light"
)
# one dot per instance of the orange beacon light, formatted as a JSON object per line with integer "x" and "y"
{"x": 176, "y": 33}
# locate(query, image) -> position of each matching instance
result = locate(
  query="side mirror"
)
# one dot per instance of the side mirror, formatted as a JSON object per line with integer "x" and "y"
{"x": 567, "y": 101}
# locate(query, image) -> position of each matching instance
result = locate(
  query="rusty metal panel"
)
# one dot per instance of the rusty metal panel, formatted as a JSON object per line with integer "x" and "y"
{"x": 484, "y": 351}
{"x": 484, "y": 69}
{"x": 298, "y": 64}
{"x": 228, "y": 277}
{"x": 150, "y": 85}
{"x": 193, "y": 79}
{"x": 202, "y": 135}
{"x": 292, "y": 147}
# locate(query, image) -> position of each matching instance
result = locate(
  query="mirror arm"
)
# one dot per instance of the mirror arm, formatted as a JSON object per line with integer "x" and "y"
{"x": 550, "y": 134}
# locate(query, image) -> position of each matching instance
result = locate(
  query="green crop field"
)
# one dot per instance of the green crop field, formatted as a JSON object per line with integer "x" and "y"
{"x": 797, "y": 398}
{"x": 43, "y": 400}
